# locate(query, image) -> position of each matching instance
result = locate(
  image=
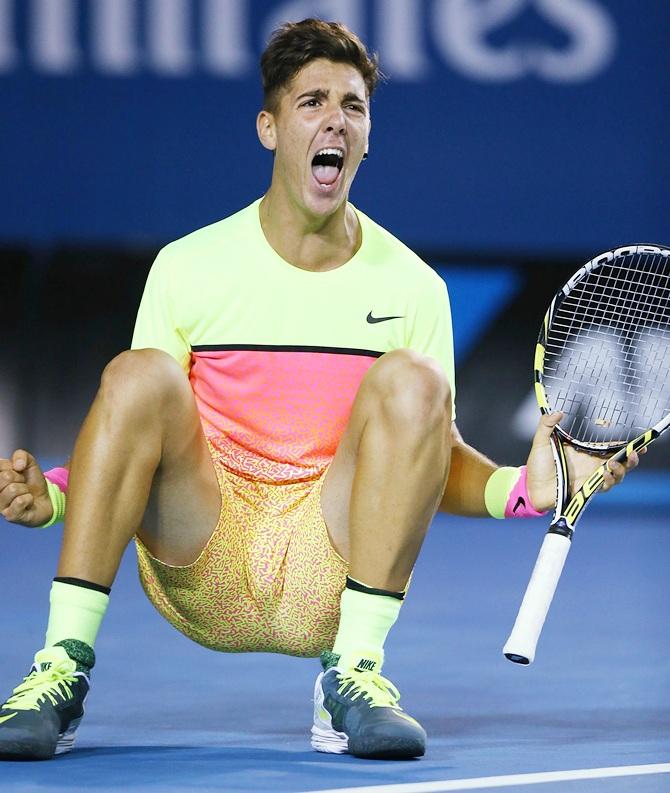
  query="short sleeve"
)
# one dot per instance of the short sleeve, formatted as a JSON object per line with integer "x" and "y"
{"x": 432, "y": 332}
{"x": 157, "y": 325}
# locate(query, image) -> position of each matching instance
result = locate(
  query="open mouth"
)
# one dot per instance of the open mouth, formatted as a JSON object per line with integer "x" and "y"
{"x": 327, "y": 166}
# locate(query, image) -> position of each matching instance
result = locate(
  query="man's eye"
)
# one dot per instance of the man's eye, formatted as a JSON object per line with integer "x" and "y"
{"x": 310, "y": 103}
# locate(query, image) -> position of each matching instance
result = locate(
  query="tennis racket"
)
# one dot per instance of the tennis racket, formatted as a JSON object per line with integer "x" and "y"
{"x": 603, "y": 359}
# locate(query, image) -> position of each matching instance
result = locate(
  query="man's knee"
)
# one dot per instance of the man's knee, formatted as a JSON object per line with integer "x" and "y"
{"x": 411, "y": 387}
{"x": 150, "y": 378}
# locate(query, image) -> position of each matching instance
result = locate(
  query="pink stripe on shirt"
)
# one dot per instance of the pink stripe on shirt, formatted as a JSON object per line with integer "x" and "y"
{"x": 278, "y": 415}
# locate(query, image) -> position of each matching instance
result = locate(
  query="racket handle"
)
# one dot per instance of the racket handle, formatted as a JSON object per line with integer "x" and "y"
{"x": 520, "y": 647}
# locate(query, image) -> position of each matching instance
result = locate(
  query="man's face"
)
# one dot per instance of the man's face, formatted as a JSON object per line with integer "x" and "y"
{"x": 319, "y": 133}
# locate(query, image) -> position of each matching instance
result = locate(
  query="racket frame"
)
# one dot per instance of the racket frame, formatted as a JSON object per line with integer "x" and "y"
{"x": 565, "y": 517}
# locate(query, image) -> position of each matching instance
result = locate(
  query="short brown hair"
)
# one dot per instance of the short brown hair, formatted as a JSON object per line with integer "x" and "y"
{"x": 293, "y": 45}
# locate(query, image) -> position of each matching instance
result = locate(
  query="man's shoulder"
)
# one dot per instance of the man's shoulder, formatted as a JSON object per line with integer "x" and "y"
{"x": 231, "y": 231}
{"x": 383, "y": 246}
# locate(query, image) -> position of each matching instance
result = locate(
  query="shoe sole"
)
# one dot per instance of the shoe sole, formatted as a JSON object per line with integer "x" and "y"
{"x": 24, "y": 748}
{"x": 326, "y": 739}
{"x": 66, "y": 739}
{"x": 389, "y": 749}
{"x": 332, "y": 742}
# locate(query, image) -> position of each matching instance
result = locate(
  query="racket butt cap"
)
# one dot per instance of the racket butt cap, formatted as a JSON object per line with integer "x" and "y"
{"x": 517, "y": 659}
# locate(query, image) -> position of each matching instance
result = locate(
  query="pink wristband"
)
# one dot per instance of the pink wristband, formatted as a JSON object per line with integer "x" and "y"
{"x": 59, "y": 477}
{"x": 518, "y": 504}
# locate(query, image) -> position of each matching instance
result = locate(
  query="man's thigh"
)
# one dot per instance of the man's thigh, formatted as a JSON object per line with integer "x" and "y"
{"x": 339, "y": 479}
{"x": 399, "y": 376}
{"x": 185, "y": 499}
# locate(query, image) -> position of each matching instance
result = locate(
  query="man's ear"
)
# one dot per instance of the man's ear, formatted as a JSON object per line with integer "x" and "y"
{"x": 367, "y": 145}
{"x": 265, "y": 127}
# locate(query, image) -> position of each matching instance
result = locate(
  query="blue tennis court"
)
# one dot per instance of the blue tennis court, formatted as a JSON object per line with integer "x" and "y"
{"x": 510, "y": 142}
{"x": 167, "y": 715}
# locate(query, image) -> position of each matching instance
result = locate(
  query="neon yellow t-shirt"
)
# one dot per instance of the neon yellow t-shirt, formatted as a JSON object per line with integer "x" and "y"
{"x": 276, "y": 354}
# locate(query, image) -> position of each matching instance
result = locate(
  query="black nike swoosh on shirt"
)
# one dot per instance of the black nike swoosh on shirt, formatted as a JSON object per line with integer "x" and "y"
{"x": 373, "y": 320}
{"x": 519, "y": 503}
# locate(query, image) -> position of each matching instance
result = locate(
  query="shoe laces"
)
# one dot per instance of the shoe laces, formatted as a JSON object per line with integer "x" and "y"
{"x": 376, "y": 690}
{"x": 52, "y": 684}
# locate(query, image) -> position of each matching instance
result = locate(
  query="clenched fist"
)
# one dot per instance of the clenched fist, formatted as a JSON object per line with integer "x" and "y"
{"x": 24, "y": 498}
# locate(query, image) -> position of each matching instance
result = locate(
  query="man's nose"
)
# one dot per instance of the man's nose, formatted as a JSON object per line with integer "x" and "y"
{"x": 335, "y": 121}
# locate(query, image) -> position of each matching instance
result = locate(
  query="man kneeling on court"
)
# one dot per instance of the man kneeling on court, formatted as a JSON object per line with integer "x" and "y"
{"x": 279, "y": 437}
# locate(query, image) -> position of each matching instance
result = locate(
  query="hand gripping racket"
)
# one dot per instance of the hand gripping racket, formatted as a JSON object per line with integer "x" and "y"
{"x": 603, "y": 359}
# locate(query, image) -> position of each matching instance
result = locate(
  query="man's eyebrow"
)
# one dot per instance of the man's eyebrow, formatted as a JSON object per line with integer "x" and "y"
{"x": 321, "y": 93}
{"x": 315, "y": 93}
{"x": 352, "y": 97}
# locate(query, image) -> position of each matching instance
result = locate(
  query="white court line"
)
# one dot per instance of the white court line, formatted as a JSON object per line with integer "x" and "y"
{"x": 484, "y": 782}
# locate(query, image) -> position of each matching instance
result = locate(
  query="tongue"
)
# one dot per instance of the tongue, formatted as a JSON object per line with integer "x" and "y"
{"x": 325, "y": 174}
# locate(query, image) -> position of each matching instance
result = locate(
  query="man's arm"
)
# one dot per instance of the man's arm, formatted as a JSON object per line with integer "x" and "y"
{"x": 470, "y": 471}
{"x": 468, "y": 475}
{"x": 24, "y": 497}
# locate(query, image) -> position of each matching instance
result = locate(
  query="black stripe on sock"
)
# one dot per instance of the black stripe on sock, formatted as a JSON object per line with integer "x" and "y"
{"x": 358, "y": 587}
{"x": 85, "y": 584}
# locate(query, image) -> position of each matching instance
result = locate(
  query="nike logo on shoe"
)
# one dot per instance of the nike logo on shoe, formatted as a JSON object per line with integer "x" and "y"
{"x": 520, "y": 503}
{"x": 373, "y": 320}
{"x": 3, "y": 719}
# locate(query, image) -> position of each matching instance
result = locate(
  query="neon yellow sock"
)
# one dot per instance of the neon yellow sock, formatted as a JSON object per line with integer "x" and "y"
{"x": 76, "y": 613}
{"x": 365, "y": 621}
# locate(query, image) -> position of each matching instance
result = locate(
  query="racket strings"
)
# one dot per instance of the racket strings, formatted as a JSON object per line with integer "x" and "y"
{"x": 638, "y": 301}
{"x": 607, "y": 352}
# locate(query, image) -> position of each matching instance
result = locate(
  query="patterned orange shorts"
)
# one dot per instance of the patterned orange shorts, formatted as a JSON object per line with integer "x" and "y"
{"x": 268, "y": 579}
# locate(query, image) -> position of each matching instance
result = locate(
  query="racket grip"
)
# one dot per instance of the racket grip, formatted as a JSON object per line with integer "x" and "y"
{"x": 520, "y": 647}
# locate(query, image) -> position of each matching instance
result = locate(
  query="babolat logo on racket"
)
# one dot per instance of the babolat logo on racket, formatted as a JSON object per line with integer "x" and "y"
{"x": 605, "y": 258}
{"x": 579, "y": 500}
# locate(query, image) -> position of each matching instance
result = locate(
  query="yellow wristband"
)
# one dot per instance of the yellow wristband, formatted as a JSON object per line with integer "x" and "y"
{"x": 57, "y": 498}
{"x": 498, "y": 487}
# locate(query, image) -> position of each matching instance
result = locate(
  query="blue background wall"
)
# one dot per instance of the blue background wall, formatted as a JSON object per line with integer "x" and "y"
{"x": 505, "y": 124}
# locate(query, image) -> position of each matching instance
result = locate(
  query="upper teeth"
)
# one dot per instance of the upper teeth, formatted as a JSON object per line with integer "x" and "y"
{"x": 336, "y": 152}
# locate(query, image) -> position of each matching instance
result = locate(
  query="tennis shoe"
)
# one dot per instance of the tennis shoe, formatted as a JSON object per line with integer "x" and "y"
{"x": 40, "y": 718}
{"x": 357, "y": 711}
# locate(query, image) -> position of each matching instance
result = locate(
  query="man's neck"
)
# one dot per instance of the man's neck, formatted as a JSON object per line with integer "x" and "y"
{"x": 309, "y": 243}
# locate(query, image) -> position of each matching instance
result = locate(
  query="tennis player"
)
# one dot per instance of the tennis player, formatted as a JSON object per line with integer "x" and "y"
{"x": 278, "y": 438}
